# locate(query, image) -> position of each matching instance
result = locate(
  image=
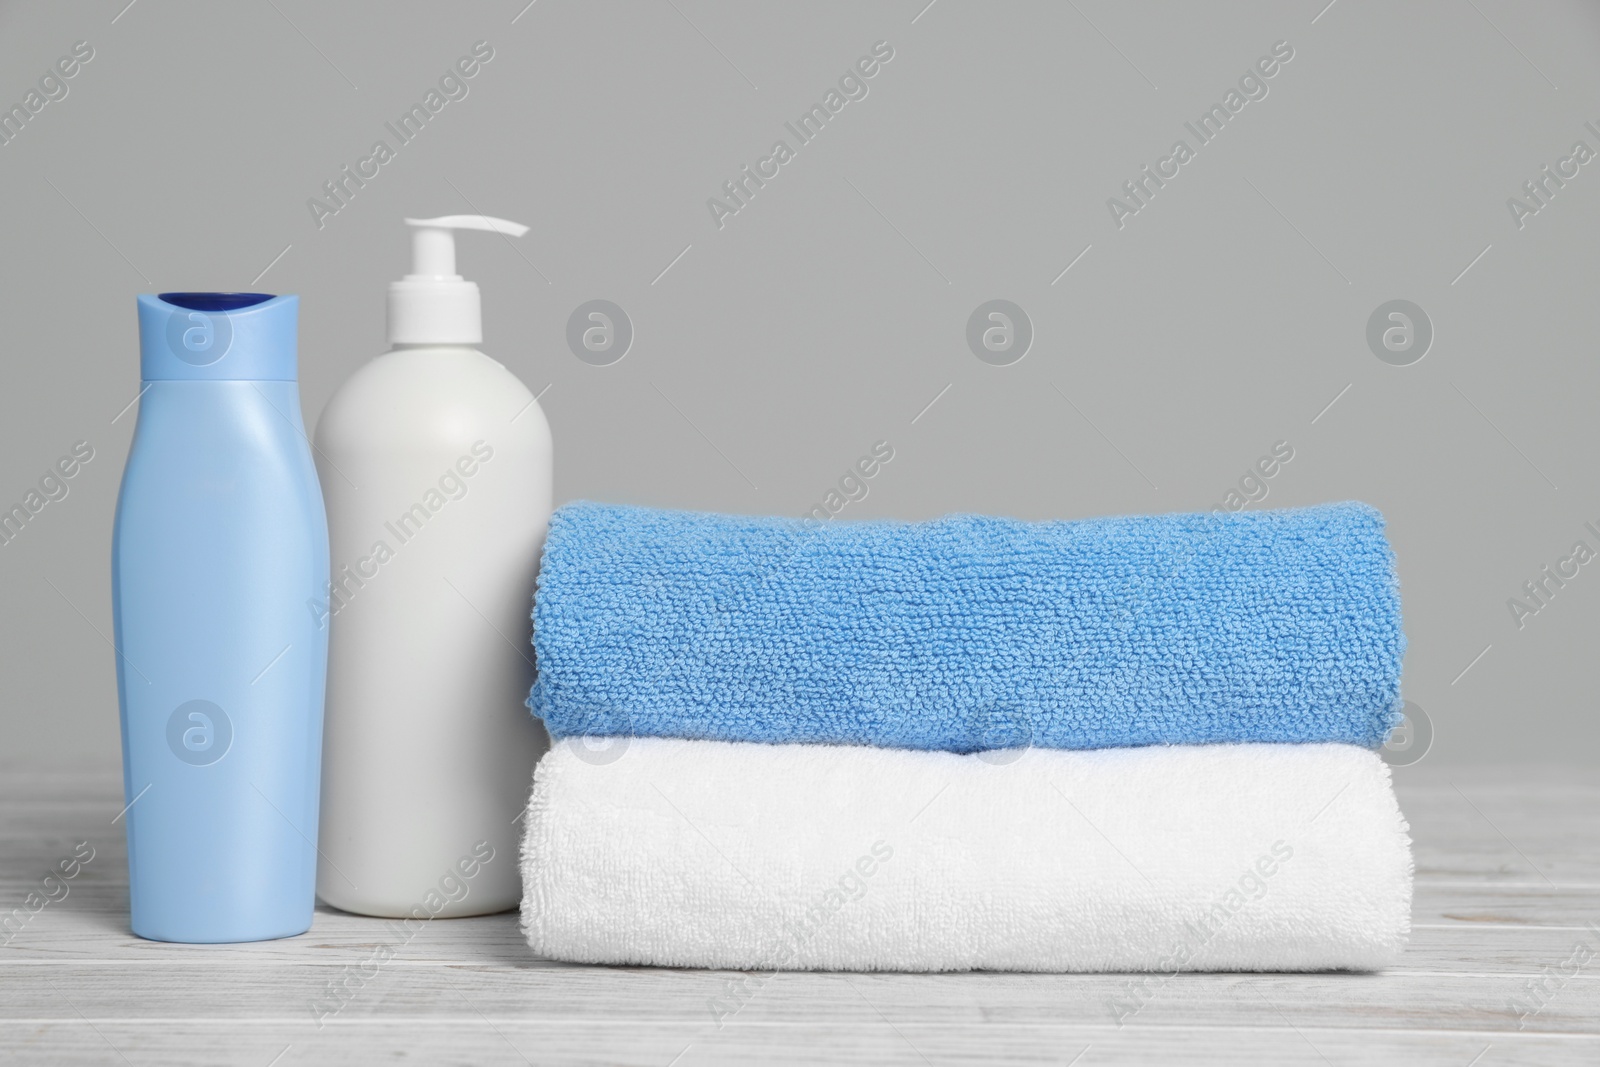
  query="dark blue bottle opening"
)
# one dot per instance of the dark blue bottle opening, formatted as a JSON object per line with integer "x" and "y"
{"x": 215, "y": 301}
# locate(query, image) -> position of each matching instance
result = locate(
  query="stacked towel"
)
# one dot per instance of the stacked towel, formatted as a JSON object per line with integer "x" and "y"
{"x": 970, "y": 633}
{"x": 766, "y": 686}
{"x": 768, "y": 857}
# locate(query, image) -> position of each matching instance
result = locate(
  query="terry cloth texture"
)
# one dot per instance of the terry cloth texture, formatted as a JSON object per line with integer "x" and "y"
{"x": 785, "y": 857}
{"x": 970, "y": 633}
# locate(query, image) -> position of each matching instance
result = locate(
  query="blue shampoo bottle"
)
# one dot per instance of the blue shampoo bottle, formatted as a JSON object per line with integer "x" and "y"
{"x": 221, "y": 541}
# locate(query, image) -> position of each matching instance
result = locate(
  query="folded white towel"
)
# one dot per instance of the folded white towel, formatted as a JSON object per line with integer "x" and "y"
{"x": 1249, "y": 857}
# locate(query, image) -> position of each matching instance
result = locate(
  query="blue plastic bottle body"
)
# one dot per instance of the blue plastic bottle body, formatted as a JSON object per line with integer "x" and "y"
{"x": 220, "y": 542}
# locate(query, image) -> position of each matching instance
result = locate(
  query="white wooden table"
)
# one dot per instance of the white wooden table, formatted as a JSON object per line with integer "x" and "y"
{"x": 1508, "y": 876}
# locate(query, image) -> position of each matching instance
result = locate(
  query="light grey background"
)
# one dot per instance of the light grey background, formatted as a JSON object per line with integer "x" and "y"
{"x": 1222, "y": 318}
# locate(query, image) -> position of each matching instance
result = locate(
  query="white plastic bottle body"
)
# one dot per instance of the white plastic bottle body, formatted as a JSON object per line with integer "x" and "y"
{"x": 436, "y": 466}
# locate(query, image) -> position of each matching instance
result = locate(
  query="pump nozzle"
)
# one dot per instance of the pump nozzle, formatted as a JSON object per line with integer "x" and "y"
{"x": 433, "y": 304}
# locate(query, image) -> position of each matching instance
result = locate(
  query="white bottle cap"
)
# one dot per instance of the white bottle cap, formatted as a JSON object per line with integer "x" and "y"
{"x": 433, "y": 304}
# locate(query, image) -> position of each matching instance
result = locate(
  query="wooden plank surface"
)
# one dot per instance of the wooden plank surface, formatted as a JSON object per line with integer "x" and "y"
{"x": 1508, "y": 879}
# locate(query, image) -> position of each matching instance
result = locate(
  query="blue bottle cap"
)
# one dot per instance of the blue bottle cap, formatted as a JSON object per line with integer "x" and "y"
{"x": 218, "y": 337}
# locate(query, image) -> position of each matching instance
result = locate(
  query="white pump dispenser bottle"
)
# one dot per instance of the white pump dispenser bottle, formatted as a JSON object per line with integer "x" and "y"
{"x": 436, "y": 469}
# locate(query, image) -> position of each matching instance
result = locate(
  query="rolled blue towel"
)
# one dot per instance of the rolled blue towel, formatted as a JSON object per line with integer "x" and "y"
{"x": 970, "y": 633}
